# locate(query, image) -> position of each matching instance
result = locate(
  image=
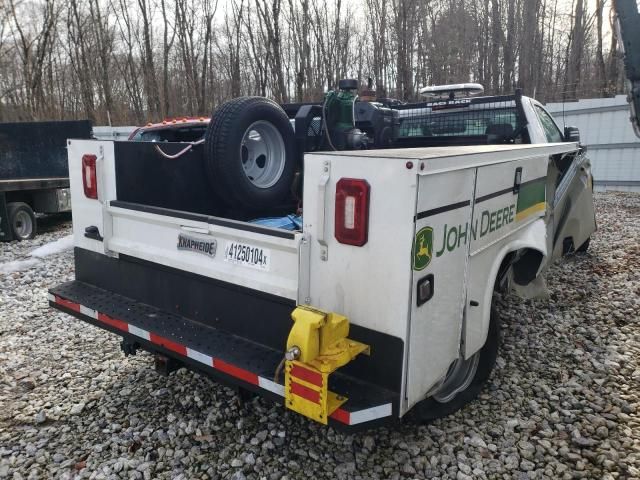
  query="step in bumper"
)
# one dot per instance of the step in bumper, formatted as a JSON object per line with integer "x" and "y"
{"x": 225, "y": 357}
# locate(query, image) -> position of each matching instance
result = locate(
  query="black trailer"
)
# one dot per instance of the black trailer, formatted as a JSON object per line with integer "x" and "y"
{"x": 34, "y": 174}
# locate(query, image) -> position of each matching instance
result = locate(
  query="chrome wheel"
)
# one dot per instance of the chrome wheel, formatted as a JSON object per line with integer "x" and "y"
{"x": 458, "y": 379}
{"x": 263, "y": 154}
{"x": 22, "y": 225}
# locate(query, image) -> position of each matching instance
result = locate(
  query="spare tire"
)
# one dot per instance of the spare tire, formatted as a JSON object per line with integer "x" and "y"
{"x": 250, "y": 153}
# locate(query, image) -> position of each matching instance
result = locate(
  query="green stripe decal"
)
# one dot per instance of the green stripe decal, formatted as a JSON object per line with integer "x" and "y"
{"x": 531, "y": 194}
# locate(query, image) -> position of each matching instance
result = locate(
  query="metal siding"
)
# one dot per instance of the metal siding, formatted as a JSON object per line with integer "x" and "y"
{"x": 605, "y": 125}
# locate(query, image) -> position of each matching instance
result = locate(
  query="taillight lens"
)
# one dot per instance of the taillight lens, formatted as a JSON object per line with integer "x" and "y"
{"x": 352, "y": 211}
{"x": 89, "y": 177}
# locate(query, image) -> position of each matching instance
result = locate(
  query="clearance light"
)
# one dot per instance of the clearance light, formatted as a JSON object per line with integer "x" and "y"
{"x": 89, "y": 177}
{"x": 352, "y": 211}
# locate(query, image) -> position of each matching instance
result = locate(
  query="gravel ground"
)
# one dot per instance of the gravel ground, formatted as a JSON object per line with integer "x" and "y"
{"x": 563, "y": 402}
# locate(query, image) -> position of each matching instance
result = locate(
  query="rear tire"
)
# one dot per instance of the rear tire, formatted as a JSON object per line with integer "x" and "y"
{"x": 431, "y": 409}
{"x": 22, "y": 220}
{"x": 251, "y": 153}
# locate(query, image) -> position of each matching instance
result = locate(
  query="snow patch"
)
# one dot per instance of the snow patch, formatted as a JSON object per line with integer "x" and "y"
{"x": 46, "y": 250}
{"x": 18, "y": 265}
{"x": 51, "y": 248}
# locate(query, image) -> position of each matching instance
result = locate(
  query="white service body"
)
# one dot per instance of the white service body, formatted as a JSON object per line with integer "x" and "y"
{"x": 373, "y": 285}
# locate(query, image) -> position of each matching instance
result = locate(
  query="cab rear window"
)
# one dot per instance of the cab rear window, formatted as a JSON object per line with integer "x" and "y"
{"x": 467, "y": 122}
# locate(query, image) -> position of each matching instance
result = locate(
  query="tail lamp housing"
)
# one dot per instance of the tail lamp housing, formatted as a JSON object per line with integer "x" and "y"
{"x": 89, "y": 177}
{"x": 352, "y": 211}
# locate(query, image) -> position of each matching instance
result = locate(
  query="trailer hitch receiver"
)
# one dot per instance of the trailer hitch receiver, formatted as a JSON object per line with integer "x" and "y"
{"x": 317, "y": 346}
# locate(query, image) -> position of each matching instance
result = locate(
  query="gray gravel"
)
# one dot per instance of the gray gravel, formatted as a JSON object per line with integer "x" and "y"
{"x": 563, "y": 402}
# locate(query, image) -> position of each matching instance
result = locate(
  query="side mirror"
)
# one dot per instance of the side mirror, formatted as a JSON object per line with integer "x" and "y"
{"x": 571, "y": 134}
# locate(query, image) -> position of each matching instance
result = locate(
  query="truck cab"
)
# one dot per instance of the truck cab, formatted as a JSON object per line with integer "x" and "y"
{"x": 462, "y": 119}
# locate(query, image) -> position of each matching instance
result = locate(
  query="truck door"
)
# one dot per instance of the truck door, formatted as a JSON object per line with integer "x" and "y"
{"x": 439, "y": 263}
{"x": 570, "y": 190}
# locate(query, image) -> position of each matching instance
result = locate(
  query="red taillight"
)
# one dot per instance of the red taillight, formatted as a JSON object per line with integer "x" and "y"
{"x": 89, "y": 177}
{"x": 352, "y": 211}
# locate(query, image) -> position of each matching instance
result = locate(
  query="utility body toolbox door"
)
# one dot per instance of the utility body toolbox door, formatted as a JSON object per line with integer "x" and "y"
{"x": 509, "y": 197}
{"x": 439, "y": 263}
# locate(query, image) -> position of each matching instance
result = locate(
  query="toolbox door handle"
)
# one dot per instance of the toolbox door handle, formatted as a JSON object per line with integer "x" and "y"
{"x": 322, "y": 198}
{"x": 517, "y": 180}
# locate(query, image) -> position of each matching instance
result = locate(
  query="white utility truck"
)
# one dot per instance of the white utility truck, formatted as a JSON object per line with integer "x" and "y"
{"x": 379, "y": 304}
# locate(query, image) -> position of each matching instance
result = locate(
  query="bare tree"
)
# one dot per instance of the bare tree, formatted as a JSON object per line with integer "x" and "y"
{"x": 602, "y": 73}
{"x": 130, "y": 62}
{"x": 405, "y": 21}
{"x": 269, "y": 17}
{"x": 31, "y": 44}
{"x": 148, "y": 64}
{"x": 167, "y": 44}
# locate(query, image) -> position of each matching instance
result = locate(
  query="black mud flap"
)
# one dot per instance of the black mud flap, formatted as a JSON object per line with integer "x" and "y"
{"x": 6, "y": 234}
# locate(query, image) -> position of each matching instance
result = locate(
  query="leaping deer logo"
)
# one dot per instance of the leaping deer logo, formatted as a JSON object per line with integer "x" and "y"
{"x": 422, "y": 248}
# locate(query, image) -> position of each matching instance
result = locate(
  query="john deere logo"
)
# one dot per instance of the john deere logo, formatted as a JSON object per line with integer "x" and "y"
{"x": 423, "y": 248}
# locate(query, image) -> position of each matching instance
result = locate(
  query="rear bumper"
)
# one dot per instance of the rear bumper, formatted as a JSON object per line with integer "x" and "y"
{"x": 226, "y": 357}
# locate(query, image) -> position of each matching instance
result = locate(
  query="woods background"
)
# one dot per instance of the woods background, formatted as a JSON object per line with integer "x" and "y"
{"x": 132, "y": 61}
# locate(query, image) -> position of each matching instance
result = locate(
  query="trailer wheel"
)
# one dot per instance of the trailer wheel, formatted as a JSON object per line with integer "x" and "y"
{"x": 22, "y": 220}
{"x": 464, "y": 380}
{"x": 250, "y": 153}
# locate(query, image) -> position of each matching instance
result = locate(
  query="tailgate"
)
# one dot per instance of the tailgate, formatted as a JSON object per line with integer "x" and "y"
{"x": 162, "y": 211}
{"x": 241, "y": 253}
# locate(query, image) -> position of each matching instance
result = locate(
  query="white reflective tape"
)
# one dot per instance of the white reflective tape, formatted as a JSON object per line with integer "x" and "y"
{"x": 138, "y": 332}
{"x": 200, "y": 357}
{"x": 51, "y": 297}
{"x": 89, "y": 312}
{"x": 369, "y": 414}
{"x": 271, "y": 386}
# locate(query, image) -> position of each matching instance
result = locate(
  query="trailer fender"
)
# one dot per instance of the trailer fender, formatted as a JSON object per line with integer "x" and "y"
{"x": 526, "y": 251}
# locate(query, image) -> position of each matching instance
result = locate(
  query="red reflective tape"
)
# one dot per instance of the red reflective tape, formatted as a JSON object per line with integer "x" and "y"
{"x": 68, "y": 304}
{"x": 341, "y": 416}
{"x": 168, "y": 344}
{"x": 119, "y": 324}
{"x": 305, "y": 392}
{"x": 307, "y": 375}
{"x": 237, "y": 372}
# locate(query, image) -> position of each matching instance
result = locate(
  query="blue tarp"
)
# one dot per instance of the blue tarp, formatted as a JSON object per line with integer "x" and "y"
{"x": 290, "y": 222}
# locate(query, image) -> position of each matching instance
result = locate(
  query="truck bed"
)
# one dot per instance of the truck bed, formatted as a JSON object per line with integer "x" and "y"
{"x": 140, "y": 271}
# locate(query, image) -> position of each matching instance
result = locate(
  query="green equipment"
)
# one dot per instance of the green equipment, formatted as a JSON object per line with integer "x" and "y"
{"x": 338, "y": 115}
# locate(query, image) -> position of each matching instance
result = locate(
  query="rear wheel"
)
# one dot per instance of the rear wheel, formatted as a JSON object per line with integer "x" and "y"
{"x": 250, "y": 153}
{"x": 22, "y": 220}
{"x": 464, "y": 380}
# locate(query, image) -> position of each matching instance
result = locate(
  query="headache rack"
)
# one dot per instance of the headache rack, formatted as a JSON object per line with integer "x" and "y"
{"x": 444, "y": 122}
{"x": 464, "y": 121}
